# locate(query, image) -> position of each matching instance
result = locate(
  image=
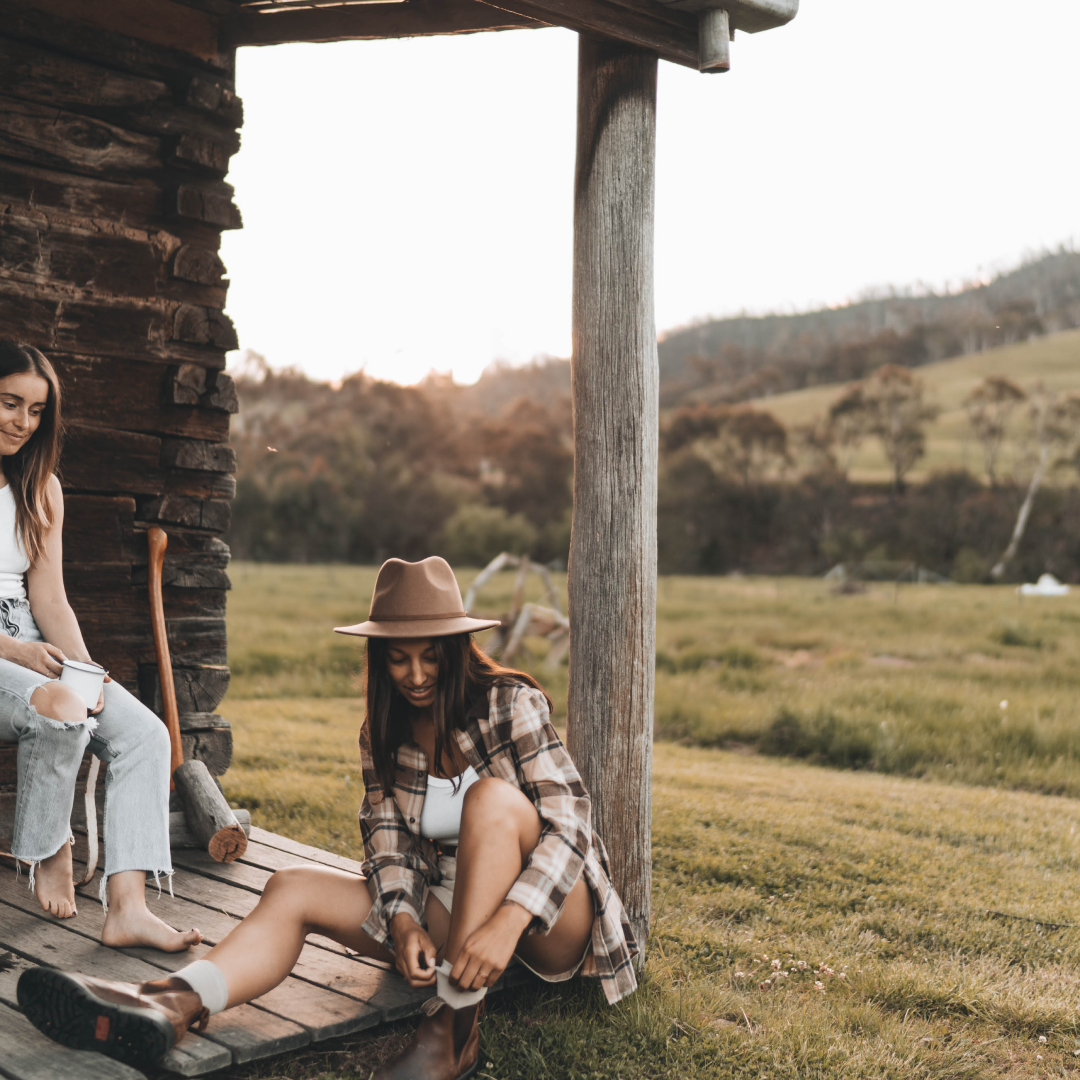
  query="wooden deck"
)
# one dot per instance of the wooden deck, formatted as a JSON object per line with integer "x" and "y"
{"x": 329, "y": 993}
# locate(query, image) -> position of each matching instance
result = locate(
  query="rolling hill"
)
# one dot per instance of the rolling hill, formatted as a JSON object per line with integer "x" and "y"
{"x": 1053, "y": 360}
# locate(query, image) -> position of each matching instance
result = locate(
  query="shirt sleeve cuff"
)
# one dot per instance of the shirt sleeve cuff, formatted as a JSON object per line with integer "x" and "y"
{"x": 535, "y": 900}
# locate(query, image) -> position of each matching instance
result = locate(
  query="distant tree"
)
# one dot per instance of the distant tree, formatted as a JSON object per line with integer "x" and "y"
{"x": 815, "y": 445}
{"x": 989, "y": 407}
{"x": 525, "y": 463}
{"x": 897, "y": 415}
{"x": 748, "y": 443}
{"x": 849, "y": 423}
{"x": 1055, "y": 422}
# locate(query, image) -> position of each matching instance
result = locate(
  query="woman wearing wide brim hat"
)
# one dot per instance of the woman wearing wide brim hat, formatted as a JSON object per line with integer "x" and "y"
{"x": 477, "y": 842}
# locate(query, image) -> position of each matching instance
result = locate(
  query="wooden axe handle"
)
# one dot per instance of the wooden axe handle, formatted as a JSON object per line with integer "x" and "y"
{"x": 158, "y": 541}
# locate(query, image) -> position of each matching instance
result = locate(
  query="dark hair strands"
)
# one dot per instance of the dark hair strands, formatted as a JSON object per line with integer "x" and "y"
{"x": 28, "y": 471}
{"x": 465, "y": 672}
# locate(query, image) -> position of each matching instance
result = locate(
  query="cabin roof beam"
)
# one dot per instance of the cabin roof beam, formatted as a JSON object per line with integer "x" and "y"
{"x": 360, "y": 22}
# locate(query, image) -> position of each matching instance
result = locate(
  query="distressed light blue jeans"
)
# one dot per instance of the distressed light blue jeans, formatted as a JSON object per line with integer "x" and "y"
{"x": 125, "y": 735}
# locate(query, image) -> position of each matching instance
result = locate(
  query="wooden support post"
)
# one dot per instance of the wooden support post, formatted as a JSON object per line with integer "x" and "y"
{"x": 615, "y": 380}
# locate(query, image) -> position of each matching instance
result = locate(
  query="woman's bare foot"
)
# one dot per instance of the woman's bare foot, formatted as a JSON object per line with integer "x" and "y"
{"x": 135, "y": 925}
{"x": 53, "y": 884}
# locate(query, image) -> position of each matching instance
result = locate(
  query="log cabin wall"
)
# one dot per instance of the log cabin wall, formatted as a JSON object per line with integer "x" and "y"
{"x": 113, "y": 153}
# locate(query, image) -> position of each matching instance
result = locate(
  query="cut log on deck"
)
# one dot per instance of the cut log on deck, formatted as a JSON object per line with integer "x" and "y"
{"x": 615, "y": 379}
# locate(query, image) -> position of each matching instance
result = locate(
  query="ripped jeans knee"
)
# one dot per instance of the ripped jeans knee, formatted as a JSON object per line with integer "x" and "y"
{"x": 56, "y": 704}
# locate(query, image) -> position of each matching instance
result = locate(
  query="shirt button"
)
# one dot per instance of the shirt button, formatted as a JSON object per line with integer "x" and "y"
{"x": 412, "y": 819}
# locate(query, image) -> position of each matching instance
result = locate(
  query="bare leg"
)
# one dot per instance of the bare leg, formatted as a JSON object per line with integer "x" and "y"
{"x": 53, "y": 883}
{"x": 296, "y": 902}
{"x": 499, "y": 829}
{"x": 129, "y": 922}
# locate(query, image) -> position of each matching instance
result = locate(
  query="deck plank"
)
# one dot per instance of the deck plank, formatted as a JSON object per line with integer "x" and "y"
{"x": 265, "y": 857}
{"x": 26, "y": 1054}
{"x": 238, "y": 874}
{"x": 211, "y": 893}
{"x": 294, "y": 847}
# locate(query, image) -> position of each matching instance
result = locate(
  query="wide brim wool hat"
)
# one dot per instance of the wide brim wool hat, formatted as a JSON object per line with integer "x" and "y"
{"x": 416, "y": 600}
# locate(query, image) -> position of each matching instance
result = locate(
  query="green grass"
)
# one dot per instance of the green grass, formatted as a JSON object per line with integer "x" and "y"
{"x": 1054, "y": 360}
{"x": 891, "y": 881}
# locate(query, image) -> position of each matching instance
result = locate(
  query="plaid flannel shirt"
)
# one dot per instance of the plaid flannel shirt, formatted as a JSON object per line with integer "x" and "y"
{"x": 507, "y": 736}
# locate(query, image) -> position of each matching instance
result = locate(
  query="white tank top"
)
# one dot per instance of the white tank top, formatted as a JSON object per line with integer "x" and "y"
{"x": 13, "y": 560}
{"x": 441, "y": 817}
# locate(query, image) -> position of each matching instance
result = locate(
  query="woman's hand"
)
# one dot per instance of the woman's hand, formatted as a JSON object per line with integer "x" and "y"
{"x": 487, "y": 950}
{"x": 38, "y": 656}
{"x": 414, "y": 951}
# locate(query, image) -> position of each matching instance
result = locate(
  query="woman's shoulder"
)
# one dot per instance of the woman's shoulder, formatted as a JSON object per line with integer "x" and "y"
{"x": 515, "y": 699}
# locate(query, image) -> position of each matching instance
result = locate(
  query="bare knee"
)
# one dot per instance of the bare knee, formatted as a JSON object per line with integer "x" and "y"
{"x": 59, "y": 702}
{"x": 287, "y": 884}
{"x": 491, "y": 803}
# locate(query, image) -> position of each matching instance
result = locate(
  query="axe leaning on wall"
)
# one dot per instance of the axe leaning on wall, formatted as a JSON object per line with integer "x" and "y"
{"x": 208, "y": 815}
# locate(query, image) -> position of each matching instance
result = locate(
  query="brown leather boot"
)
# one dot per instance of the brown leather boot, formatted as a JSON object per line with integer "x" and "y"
{"x": 138, "y": 1023}
{"x": 446, "y": 1046}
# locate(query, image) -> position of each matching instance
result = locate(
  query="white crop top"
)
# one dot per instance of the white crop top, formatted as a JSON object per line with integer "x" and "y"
{"x": 441, "y": 817}
{"x": 13, "y": 560}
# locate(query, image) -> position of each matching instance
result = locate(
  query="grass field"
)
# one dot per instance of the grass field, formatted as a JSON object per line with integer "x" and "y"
{"x": 930, "y": 907}
{"x": 1054, "y": 360}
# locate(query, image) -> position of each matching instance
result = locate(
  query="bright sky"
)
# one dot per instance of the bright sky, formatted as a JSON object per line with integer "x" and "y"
{"x": 408, "y": 204}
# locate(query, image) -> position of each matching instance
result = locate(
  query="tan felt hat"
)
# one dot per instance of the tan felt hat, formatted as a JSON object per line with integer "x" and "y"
{"x": 416, "y": 600}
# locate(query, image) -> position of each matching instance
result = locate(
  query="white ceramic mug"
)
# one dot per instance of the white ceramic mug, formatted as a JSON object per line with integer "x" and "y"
{"x": 85, "y": 679}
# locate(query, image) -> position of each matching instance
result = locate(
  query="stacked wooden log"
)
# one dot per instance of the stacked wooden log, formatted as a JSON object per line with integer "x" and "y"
{"x": 113, "y": 152}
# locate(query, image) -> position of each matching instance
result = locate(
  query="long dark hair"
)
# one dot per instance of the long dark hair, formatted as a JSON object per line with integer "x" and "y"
{"x": 29, "y": 469}
{"x": 465, "y": 672}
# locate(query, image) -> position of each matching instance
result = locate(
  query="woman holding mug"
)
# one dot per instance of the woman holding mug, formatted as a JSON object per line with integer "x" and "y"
{"x": 478, "y": 848}
{"x": 48, "y": 719}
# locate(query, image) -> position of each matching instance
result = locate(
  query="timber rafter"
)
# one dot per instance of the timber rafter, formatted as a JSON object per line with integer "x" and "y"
{"x": 359, "y": 22}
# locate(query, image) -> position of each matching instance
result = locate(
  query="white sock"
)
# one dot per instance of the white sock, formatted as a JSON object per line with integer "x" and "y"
{"x": 208, "y": 981}
{"x": 455, "y": 998}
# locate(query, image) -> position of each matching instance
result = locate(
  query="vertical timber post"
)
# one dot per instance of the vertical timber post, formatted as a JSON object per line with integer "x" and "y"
{"x": 615, "y": 381}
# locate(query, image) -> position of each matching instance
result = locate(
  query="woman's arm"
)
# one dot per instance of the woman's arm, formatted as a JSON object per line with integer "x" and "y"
{"x": 396, "y": 876}
{"x": 45, "y": 587}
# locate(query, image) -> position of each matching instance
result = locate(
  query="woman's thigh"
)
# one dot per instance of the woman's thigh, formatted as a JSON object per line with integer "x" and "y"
{"x": 562, "y": 947}
{"x": 125, "y": 724}
{"x": 328, "y": 902}
{"x": 17, "y": 685}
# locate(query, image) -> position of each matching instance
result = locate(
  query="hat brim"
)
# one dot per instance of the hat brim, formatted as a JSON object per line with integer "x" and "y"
{"x": 418, "y": 628}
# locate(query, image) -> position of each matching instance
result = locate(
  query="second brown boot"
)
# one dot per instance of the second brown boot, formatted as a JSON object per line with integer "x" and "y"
{"x": 446, "y": 1046}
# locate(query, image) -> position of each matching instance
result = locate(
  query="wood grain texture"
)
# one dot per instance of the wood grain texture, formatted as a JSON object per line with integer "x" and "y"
{"x": 418, "y": 18}
{"x": 198, "y": 689}
{"x": 133, "y": 395}
{"x": 160, "y": 23}
{"x": 131, "y": 102}
{"x": 44, "y": 135}
{"x": 615, "y": 379}
{"x": 656, "y": 32}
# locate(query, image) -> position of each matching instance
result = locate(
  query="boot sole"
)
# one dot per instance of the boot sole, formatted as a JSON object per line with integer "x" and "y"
{"x": 65, "y": 1010}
